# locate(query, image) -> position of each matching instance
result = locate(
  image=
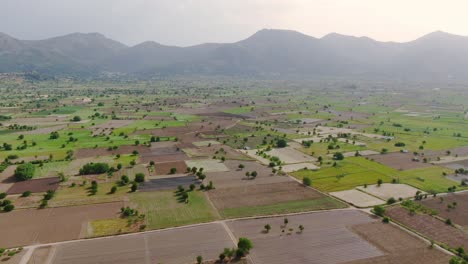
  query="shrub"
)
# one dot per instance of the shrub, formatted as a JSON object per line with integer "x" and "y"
{"x": 139, "y": 177}
{"x": 338, "y": 156}
{"x": 391, "y": 200}
{"x": 94, "y": 168}
{"x": 8, "y": 208}
{"x": 281, "y": 143}
{"x": 3, "y": 195}
{"x": 25, "y": 171}
{"x": 134, "y": 187}
{"x": 26, "y": 194}
{"x": 379, "y": 210}
{"x": 307, "y": 181}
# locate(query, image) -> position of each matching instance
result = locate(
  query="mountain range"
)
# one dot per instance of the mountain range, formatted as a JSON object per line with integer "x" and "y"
{"x": 269, "y": 52}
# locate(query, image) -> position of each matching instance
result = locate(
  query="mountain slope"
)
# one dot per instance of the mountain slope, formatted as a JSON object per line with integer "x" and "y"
{"x": 268, "y": 52}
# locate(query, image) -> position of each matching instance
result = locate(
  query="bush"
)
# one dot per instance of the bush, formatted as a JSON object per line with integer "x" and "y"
{"x": 307, "y": 181}
{"x": 379, "y": 210}
{"x": 3, "y": 195}
{"x": 391, "y": 200}
{"x": 139, "y": 177}
{"x": 24, "y": 171}
{"x": 8, "y": 208}
{"x": 386, "y": 220}
{"x": 281, "y": 143}
{"x": 338, "y": 156}
{"x": 134, "y": 187}
{"x": 94, "y": 168}
{"x": 26, "y": 194}
{"x": 113, "y": 189}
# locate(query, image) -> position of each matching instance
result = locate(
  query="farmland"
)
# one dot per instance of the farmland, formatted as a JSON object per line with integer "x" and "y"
{"x": 202, "y": 168}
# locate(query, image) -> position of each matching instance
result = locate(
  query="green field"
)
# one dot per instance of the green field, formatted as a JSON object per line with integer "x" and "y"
{"x": 163, "y": 210}
{"x": 350, "y": 173}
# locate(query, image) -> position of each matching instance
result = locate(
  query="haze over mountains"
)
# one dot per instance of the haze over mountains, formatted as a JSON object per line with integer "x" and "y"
{"x": 268, "y": 52}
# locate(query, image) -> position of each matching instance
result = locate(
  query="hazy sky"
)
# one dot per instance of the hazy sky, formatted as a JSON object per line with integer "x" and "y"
{"x": 188, "y": 22}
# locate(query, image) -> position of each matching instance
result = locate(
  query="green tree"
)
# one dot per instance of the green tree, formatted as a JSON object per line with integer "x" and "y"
{"x": 199, "y": 259}
{"x": 307, "y": 181}
{"x": 245, "y": 244}
{"x": 338, "y": 156}
{"x": 139, "y": 177}
{"x": 379, "y": 210}
{"x": 134, "y": 187}
{"x": 281, "y": 143}
{"x": 24, "y": 171}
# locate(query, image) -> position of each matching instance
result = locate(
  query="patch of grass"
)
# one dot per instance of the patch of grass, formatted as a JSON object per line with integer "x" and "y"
{"x": 79, "y": 195}
{"x": 107, "y": 227}
{"x": 349, "y": 173}
{"x": 411, "y": 205}
{"x": 282, "y": 208}
{"x": 430, "y": 179}
{"x": 163, "y": 210}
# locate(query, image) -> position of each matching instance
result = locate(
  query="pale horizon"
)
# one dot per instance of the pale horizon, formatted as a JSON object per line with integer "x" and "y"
{"x": 188, "y": 23}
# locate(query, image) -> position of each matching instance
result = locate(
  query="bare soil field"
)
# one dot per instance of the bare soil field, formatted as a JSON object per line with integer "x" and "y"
{"x": 163, "y": 158}
{"x": 429, "y": 226}
{"x": 457, "y": 164}
{"x": 216, "y": 150}
{"x": 205, "y": 143}
{"x": 287, "y": 155}
{"x": 398, "y": 246}
{"x": 51, "y": 224}
{"x": 458, "y": 215}
{"x": 35, "y": 185}
{"x": 7, "y": 178}
{"x": 357, "y": 198}
{"x": 164, "y": 168}
{"x": 102, "y": 151}
{"x": 458, "y": 177}
{"x": 235, "y": 177}
{"x": 399, "y": 161}
{"x": 209, "y": 165}
{"x": 299, "y": 166}
{"x": 168, "y": 183}
{"x": 326, "y": 238}
{"x": 389, "y": 190}
{"x": 261, "y": 194}
{"x": 176, "y": 246}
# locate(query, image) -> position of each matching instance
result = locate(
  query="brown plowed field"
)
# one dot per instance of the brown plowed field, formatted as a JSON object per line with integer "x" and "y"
{"x": 235, "y": 177}
{"x": 399, "y": 161}
{"x": 164, "y": 158}
{"x": 36, "y": 185}
{"x": 459, "y": 215}
{"x": 261, "y": 194}
{"x": 398, "y": 246}
{"x": 429, "y": 227}
{"x": 164, "y": 168}
{"x": 325, "y": 239}
{"x": 29, "y": 226}
{"x": 126, "y": 149}
{"x": 177, "y": 246}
